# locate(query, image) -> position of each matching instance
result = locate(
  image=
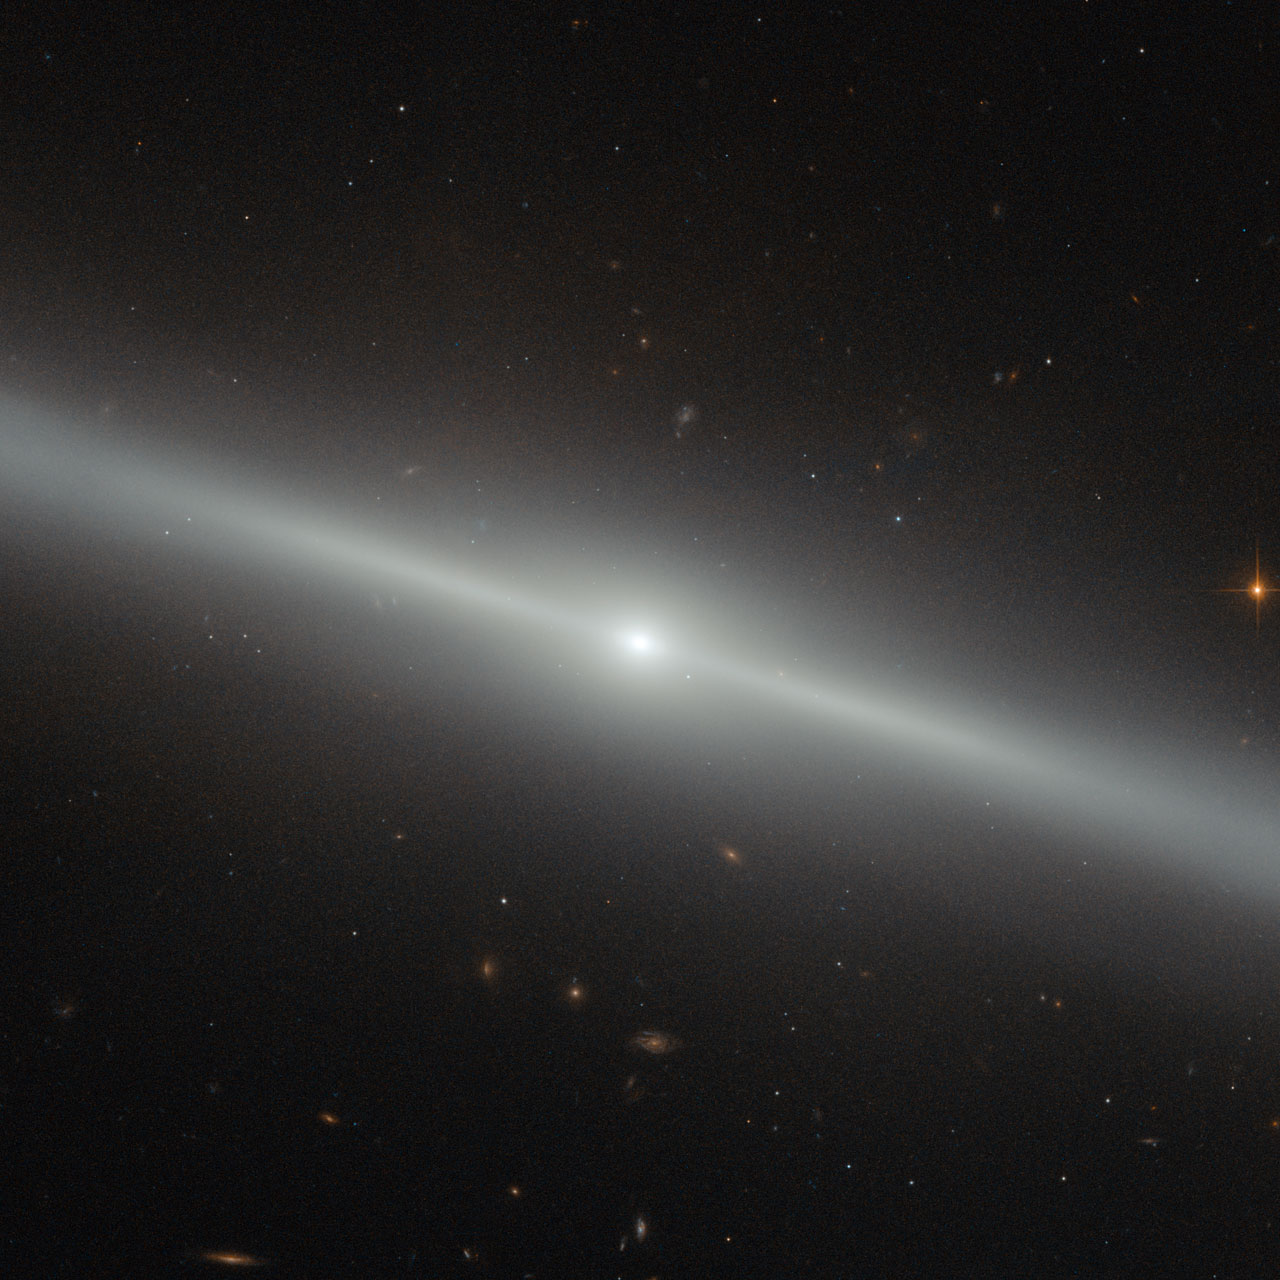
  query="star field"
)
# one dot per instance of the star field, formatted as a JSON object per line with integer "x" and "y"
{"x": 639, "y": 644}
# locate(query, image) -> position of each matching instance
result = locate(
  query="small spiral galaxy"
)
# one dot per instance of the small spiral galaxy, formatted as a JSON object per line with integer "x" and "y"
{"x": 658, "y": 1043}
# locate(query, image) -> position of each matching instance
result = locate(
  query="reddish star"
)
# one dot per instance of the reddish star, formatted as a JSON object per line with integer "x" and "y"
{"x": 1257, "y": 589}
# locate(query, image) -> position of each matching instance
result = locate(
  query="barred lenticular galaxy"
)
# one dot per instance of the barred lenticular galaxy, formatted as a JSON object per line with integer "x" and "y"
{"x": 1155, "y": 803}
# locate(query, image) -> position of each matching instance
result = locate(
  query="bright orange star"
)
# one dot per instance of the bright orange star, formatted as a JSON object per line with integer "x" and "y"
{"x": 1257, "y": 589}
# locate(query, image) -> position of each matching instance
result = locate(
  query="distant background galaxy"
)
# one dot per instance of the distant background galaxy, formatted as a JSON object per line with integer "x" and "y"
{"x": 632, "y": 644}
